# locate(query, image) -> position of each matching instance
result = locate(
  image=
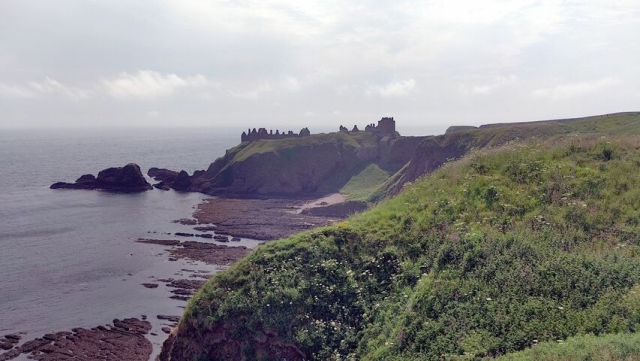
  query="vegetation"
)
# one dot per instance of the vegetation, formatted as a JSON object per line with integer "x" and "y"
{"x": 458, "y": 143}
{"x": 362, "y": 185}
{"x": 620, "y": 347}
{"x": 489, "y": 255}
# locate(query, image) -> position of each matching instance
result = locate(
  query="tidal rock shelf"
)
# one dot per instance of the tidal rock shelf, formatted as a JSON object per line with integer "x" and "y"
{"x": 124, "y": 340}
{"x": 209, "y": 253}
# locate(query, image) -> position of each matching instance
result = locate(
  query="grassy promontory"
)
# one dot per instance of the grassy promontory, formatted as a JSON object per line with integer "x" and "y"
{"x": 306, "y": 166}
{"x": 489, "y": 255}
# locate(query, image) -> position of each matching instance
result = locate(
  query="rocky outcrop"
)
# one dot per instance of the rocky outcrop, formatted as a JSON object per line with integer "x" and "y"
{"x": 127, "y": 179}
{"x": 398, "y": 152}
{"x": 182, "y": 181}
{"x": 124, "y": 340}
{"x": 220, "y": 343}
{"x": 280, "y": 168}
{"x": 162, "y": 175}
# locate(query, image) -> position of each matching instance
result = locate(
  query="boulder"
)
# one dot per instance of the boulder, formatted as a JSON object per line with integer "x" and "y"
{"x": 162, "y": 175}
{"x": 162, "y": 185}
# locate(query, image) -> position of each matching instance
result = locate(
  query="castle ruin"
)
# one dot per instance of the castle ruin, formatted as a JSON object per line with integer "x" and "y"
{"x": 386, "y": 126}
{"x": 253, "y": 135}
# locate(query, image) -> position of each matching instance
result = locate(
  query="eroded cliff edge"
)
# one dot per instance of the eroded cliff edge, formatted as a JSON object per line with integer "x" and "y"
{"x": 315, "y": 164}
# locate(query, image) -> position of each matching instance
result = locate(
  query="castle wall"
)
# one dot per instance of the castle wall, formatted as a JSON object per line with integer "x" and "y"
{"x": 386, "y": 126}
{"x": 262, "y": 133}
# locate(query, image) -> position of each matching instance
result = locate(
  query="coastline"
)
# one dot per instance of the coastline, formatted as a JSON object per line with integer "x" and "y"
{"x": 185, "y": 260}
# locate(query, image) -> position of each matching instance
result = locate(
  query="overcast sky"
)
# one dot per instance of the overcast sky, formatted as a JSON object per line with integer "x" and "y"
{"x": 158, "y": 63}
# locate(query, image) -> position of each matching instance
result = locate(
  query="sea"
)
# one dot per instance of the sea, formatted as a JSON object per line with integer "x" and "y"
{"x": 69, "y": 258}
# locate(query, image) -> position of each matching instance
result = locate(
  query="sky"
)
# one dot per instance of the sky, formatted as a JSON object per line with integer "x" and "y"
{"x": 295, "y": 63}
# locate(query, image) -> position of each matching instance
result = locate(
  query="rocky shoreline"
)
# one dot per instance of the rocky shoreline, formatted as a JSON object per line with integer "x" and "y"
{"x": 209, "y": 253}
{"x": 261, "y": 219}
{"x": 124, "y": 340}
{"x": 215, "y": 221}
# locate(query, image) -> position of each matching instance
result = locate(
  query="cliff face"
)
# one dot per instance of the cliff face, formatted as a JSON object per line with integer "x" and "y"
{"x": 434, "y": 151}
{"x": 300, "y": 166}
{"x": 323, "y": 163}
{"x": 285, "y": 171}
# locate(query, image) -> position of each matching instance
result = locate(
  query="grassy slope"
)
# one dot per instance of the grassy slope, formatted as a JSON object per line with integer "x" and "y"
{"x": 620, "y": 347}
{"x": 362, "y": 185}
{"x": 499, "y": 134}
{"x": 481, "y": 258}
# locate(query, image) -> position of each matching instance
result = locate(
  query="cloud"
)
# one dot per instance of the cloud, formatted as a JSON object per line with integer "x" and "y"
{"x": 489, "y": 87}
{"x": 291, "y": 83}
{"x": 572, "y": 90}
{"x": 15, "y": 91}
{"x": 287, "y": 84}
{"x": 148, "y": 84}
{"x": 273, "y": 60}
{"x": 48, "y": 86}
{"x": 254, "y": 93}
{"x": 392, "y": 89}
{"x": 52, "y": 86}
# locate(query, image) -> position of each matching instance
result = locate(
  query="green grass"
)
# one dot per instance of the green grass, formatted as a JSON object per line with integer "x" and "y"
{"x": 283, "y": 146}
{"x": 492, "y": 135}
{"x": 354, "y": 140}
{"x": 619, "y": 347}
{"x": 484, "y": 257}
{"x": 362, "y": 185}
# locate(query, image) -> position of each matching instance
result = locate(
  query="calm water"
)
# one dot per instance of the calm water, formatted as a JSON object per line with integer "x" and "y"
{"x": 68, "y": 258}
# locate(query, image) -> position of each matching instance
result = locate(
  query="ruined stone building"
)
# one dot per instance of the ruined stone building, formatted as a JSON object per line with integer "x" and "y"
{"x": 386, "y": 126}
{"x": 262, "y": 133}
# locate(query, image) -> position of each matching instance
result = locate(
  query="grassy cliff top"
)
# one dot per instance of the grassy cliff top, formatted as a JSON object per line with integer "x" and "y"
{"x": 351, "y": 140}
{"x": 500, "y": 133}
{"x": 484, "y": 257}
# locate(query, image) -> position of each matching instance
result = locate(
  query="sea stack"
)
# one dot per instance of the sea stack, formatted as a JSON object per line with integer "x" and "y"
{"x": 127, "y": 179}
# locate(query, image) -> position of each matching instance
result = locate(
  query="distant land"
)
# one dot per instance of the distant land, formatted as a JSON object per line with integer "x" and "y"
{"x": 317, "y": 164}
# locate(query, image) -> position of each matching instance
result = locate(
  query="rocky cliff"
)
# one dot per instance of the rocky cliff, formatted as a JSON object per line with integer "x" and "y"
{"x": 300, "y": 166}
{"x": 434, "y": 151}
{"x": 324, "y": 163}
